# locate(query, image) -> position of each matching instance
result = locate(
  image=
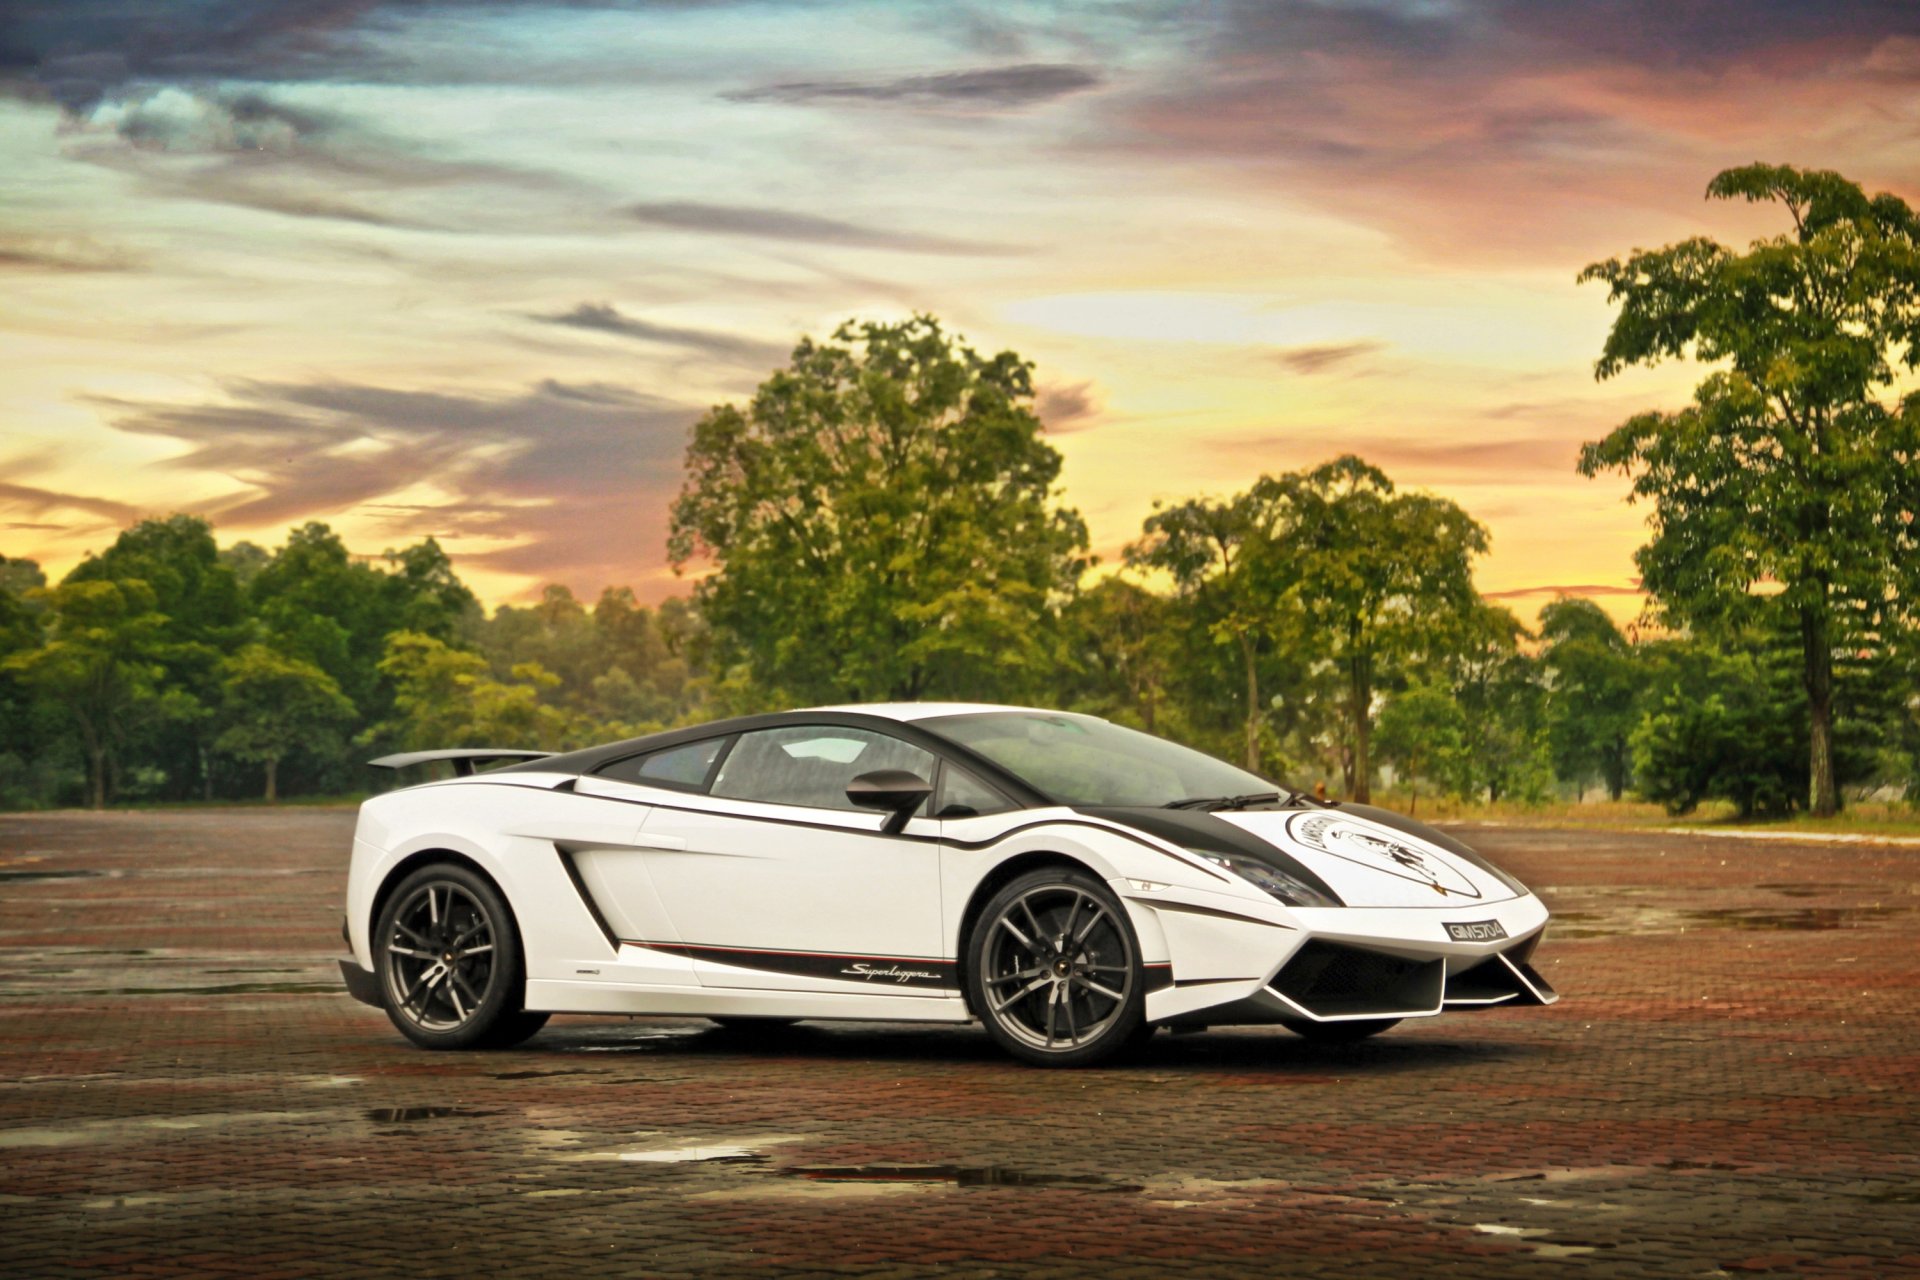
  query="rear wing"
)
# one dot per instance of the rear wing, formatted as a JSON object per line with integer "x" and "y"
{"x": 463, "y": 759}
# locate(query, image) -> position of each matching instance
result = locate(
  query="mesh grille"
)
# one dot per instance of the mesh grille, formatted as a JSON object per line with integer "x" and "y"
{"x": 1330, "y": 979}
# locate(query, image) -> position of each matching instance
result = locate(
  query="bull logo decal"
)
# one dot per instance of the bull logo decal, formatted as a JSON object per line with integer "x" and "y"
{"x": 1381, "y": 850}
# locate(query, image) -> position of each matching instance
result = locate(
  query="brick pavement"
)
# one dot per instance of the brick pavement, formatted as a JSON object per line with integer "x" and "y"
{"x": 1730, "y": 1087}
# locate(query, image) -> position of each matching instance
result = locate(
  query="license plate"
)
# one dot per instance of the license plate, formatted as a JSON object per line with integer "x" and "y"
{"x": 1476, "y": 931}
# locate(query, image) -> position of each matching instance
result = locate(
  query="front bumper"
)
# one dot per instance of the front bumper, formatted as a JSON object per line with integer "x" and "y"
{"x": 362, "y": 984}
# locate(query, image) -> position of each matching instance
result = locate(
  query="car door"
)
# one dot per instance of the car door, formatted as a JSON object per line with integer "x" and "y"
{"x": 774, "y": 880}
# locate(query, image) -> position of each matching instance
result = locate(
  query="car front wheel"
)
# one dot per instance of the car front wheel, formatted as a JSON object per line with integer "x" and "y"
{"x": 1053, "y": 970}
{"x": 448, "y": 956}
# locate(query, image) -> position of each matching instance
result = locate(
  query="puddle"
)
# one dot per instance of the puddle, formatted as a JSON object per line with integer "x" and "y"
{"x": 413, "y": 1115}
{"x": 646, "y": 1042}
{"x": 1643, "y": 920}
{"x": 17, "y": 876}
{"x": 1690, "y": 1166}
{"x": 696, "y": 1155}
{"x": 1796, "y": 889}
{"x": 223, "y": 989}
{"x": 541, "y": 1075}
{"x": 966, "y": 1176}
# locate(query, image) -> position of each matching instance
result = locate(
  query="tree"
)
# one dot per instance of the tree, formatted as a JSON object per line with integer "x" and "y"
{"x": 1376, "y": 576}
{"x": 1211, "y": 551}
{"x": 1497, "y": 686}
{"x": 445, "y": 697}
{"x": 272, "y": 705}
{"x": 1593, "y": 694}
{"x": 1720, "y": 726}
{"x": 196, "y": 592}
{"x": 881, "y": 521}
{"x": 1424, "y": 729}
{"x": 1120, "y": 638}
{"x": 1792, "y": 468}
{"x": 98, "y": 664}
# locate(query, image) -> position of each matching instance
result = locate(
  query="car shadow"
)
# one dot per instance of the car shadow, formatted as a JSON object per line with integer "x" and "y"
{"x": 1269, "y": 1050}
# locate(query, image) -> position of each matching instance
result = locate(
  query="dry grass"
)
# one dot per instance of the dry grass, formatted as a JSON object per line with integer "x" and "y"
{"x": 1864, "y": 818}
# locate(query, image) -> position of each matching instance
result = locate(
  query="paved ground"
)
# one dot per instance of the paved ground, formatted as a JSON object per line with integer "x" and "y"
{"x": 1731, "y": 1085}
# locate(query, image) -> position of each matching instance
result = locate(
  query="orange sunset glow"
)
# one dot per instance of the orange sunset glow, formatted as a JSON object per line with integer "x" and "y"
{"x": 471, "y": 269}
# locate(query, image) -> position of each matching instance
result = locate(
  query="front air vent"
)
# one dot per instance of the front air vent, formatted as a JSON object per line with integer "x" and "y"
{"x": 1506, "y": 978}
{"x": 1331, "y": 980}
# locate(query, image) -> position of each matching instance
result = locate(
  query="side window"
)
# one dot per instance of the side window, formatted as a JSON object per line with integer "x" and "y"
{"x": 962, "y": 796}
{"x": 812, "y": 764}
{"x": 683, "y": 768}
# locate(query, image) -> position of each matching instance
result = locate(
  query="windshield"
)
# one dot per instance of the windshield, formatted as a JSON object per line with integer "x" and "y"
{"x": 1083, "y": 761}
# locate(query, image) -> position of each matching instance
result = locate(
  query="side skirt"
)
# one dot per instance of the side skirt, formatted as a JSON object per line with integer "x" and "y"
{"x": 703, "y": 1002}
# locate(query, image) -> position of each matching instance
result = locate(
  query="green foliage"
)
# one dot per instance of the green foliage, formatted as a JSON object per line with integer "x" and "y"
{"x": 1423, "y": 733}
{"x": 1794, "y": 466}
{"x": 1379, "y": 574}
{"x": 1232, "y": 597}
{"x": 273, "y": 705}
{"x": 1122, "y": 652}
{"x": 1720, "y": 726}
{"x": 1593, "y": 686}
{"x": 881, "y": 521}
{"x": 445, "y": 697}
{"x": 99, "y": 665}
{"x": 1501, "y": 697}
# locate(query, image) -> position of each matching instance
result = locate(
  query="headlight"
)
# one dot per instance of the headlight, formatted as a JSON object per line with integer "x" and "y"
{"x": 1290, "y": 889}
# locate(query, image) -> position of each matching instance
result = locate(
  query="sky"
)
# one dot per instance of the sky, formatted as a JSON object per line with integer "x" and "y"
{"x": 470, "y": 269}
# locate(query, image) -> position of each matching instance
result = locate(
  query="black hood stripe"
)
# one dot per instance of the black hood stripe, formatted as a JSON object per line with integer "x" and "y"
{"x": 1197, "y": 829}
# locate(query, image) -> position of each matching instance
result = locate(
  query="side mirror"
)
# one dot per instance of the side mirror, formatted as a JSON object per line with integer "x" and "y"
{"x": 894, "y": 790}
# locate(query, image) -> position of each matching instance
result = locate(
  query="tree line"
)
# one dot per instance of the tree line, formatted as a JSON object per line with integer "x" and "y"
{"x": 883, "y": 520}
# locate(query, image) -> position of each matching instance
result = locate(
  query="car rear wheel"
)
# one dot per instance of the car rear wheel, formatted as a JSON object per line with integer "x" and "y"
{"x": 1053, "y": 970}
{"x": 1340, "y": 1032}
{"x": 448, "y": 958}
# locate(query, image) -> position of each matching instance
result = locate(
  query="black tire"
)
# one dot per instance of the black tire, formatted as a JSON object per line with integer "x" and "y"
{"x": 514, "y": 1029}
{"x": 752, "y": 1024}
{"x": 1053, "y": 970}
{"x": 447, "y": 956}
{"x": 1340, "y": 1032}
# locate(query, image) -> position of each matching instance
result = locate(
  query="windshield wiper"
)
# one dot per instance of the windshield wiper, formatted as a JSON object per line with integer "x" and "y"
{"x": 1215, "y": 803}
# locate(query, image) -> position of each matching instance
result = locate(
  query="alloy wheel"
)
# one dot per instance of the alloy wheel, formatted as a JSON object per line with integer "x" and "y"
{"x": 440, "y": 964}
{"x": 1058, "y": 971}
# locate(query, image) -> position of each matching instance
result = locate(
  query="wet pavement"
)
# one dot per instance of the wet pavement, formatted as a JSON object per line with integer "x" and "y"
{"x": 1731, "y": 1086}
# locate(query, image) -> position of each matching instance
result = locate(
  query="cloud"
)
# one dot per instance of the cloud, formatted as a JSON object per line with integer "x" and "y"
{"x": 1524, "y": 128}
{"x": 37, "y": 501}
{"x": 786, "y": 224}
{"x": 1323, "y": 357}
{"x": 1493, "y": 460}
{"x": 983, "y": 89}
{"x": 1585, "y": 590}
{"x": 1067, "y": 407}
{"x": 575, "y": 478}
{"x": 603, "y": 317}
{"x": 59, "y": 254}
{"x": 246, "y": 149}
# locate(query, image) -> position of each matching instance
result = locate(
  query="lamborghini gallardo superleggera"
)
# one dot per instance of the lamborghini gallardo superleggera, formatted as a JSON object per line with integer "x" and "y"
{"x": 1069, "y": 884}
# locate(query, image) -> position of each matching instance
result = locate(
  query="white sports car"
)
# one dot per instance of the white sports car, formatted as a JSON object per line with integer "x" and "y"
{"x": 1069, "y": 883}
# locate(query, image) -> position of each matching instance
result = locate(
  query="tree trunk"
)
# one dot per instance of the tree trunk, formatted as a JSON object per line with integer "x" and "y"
{"x": 1253, "y": 704}
{"x": 1817, "y": 648}
{"x": 1361, "y": 692}
{"x": 97, "y": 763}
{"x": 273, "y": 773}
{"x": 1413, "y": 786}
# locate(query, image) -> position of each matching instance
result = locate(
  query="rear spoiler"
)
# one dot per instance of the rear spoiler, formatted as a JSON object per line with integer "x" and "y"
{"x": 462, "y": 758}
